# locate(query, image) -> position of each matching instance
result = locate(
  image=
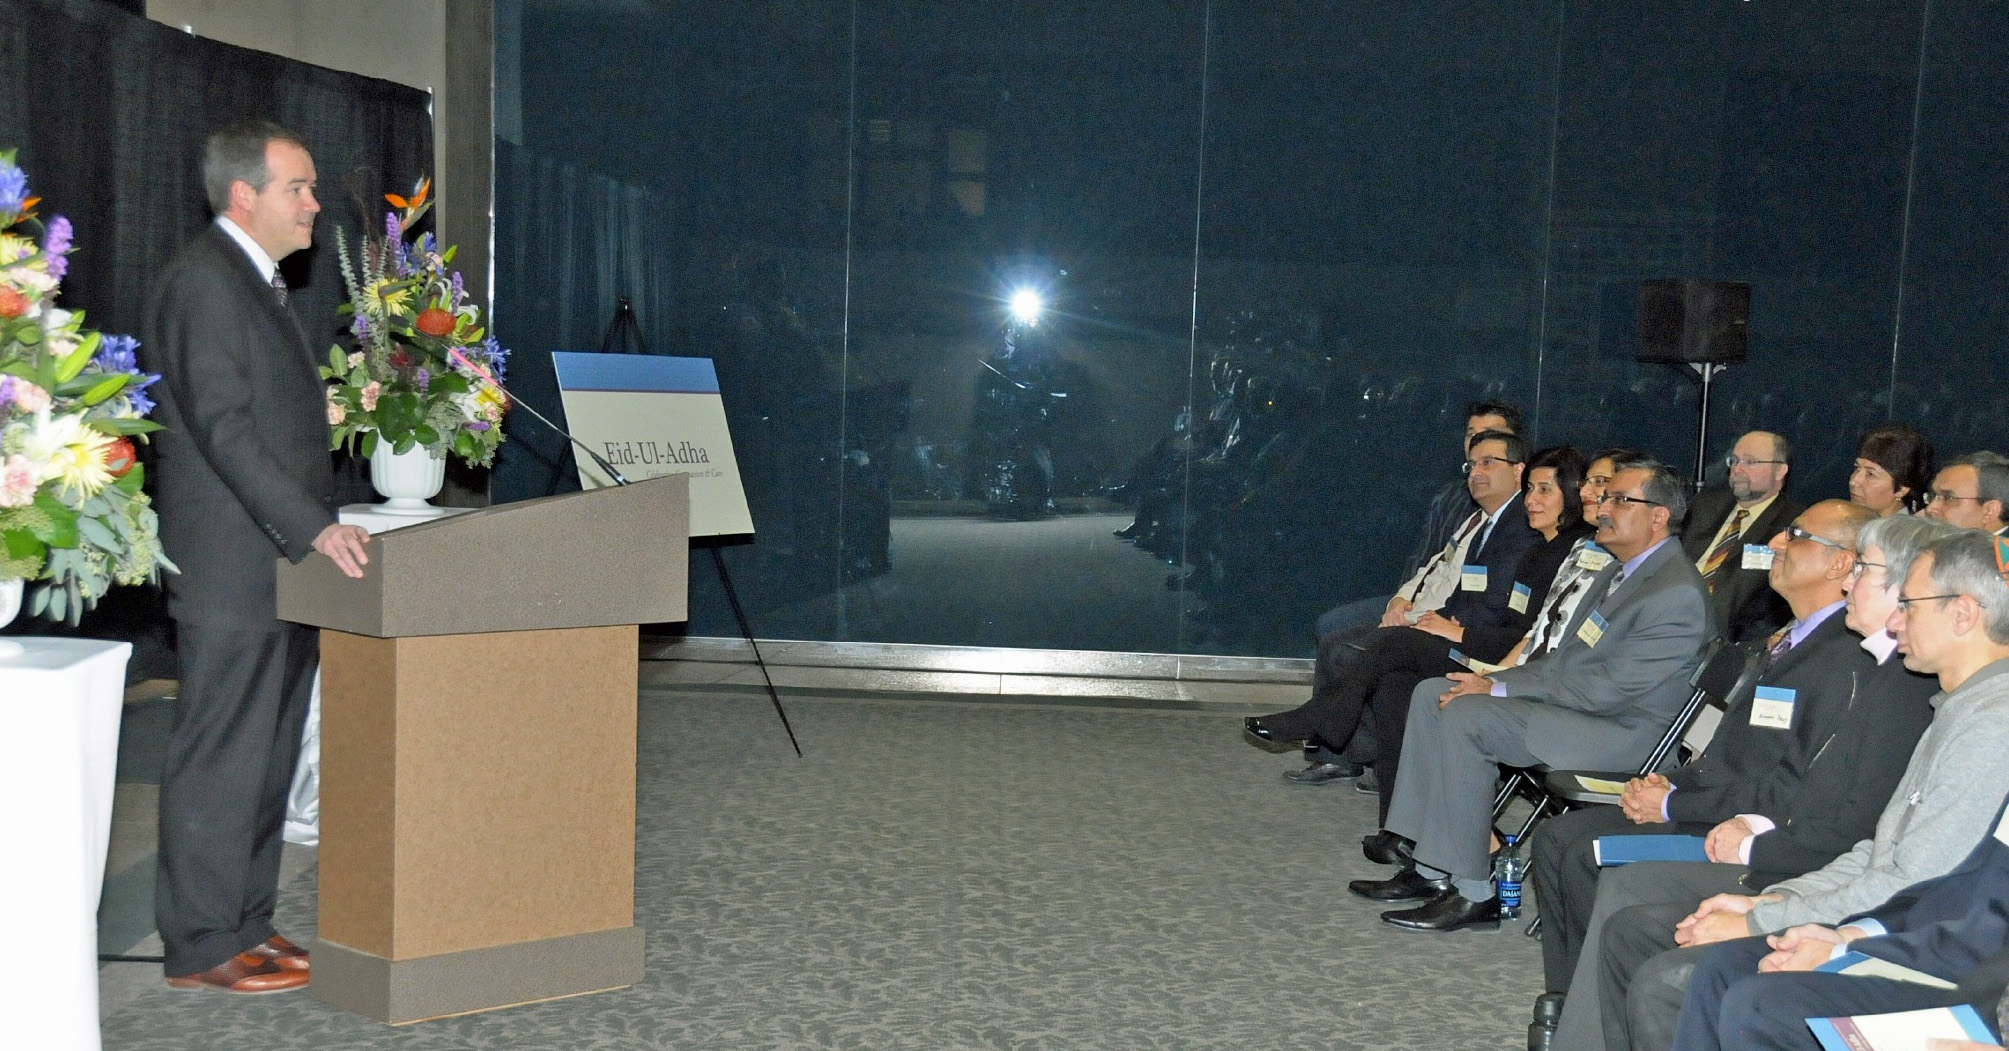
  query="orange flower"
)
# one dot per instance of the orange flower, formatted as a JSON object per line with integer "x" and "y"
{"x": 12, "y": 304}
{"x": 434, "y": 322}
{"x": 120, "y": 456}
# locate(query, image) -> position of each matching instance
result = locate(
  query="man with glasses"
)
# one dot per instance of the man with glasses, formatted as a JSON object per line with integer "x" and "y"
{"x": 1946, "y": 916}
{"x": 1727, "y": 533}
{"x": 1600, "y": 700}
{"x": 1812, "y": 744}
{"x": 1954, "y": 783}
{"x": 1972, "y": 492}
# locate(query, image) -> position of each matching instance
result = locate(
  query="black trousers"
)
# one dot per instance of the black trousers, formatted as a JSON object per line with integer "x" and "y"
{"x": 1362, "y": 672}
{"x": 1566, "y": 875}
{"x": 229, "y": 764}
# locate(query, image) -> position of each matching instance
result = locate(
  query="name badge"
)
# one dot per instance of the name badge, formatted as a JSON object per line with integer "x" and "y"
{"x": 2002, "y": 829}
{"x": 1593, "y": 558}
{"x": 1518, "y": 601}
{"x": 1591, "y": 631}
{"x": 1772, "y": 706}
{"x": 1473, "y": 578}
{"x": 1757, "y": 556}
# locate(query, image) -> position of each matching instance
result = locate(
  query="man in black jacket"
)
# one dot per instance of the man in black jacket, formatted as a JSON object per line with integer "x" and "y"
{"x": 244, "y": 478}
{"x": 1727, "y": 532}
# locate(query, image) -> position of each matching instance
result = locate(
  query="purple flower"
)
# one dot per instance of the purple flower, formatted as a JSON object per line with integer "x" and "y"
{"x": 498, "y": 358}
{"x": 477, "y": 425}
{"x": 361, "y": 327}
{"x": 56, "y": 245}
{"x": 425, "y": 379}
{"x": 394, "y": 231}
{"x": 6, "y": 392}
{"x": 117, "y": 354}
{"x": 13, "y": 189}
{"x": 459, "y": 292}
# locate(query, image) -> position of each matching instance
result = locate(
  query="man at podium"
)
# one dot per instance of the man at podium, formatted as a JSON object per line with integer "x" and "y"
{"x": 244, "y": 476}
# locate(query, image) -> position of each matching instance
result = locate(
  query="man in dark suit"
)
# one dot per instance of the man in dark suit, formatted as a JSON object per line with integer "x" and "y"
{"x": 244, "y": 477}
{"x": 1727, "y": 532}
{"x": 1598, "y": 701}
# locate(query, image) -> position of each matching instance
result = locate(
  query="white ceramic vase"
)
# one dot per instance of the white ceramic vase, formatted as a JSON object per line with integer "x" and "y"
{"x": 407, "y": 479}
{"x": 10, "y": 605}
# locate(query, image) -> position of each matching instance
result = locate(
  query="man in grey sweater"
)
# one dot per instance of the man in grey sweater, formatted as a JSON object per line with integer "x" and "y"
{"x": 1955, "y": 783}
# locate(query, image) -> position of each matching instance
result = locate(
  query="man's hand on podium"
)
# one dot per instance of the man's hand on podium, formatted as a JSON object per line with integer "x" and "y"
{"x": 344, "y": 544}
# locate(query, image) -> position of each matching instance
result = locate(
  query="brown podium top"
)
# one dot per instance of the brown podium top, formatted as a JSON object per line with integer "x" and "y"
{"x": 605, "y": 556}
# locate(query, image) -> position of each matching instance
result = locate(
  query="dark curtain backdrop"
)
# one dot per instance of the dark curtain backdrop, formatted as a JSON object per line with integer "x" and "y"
{"x": 109, "y": 111}
{"x": 569, "y": 245}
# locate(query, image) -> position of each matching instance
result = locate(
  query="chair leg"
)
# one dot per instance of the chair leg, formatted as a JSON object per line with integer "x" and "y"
{"x": 1534, "y": 928}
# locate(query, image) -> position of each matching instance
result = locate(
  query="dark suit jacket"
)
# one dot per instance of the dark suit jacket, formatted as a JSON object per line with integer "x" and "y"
{"x": 1743, "y": 606}
{"x": 242, "y": 471}
{"x": 1617, "y": 697}
{"x": 1537, "y": 570}
{"x": 1511, "y": 538}
{"x": 1851, "y": 777}
{"x": 1955, "y": 926}
{"x": 1747, "y": 769}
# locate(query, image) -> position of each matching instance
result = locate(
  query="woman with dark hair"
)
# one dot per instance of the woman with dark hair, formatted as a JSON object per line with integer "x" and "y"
{"x": 1552, "y": 491}
{"x": 1893, "y": 469}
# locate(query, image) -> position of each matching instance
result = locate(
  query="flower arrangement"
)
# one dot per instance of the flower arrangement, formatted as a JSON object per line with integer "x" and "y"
{"x": 423, "y": 372}
{"x": 73, "y": 518}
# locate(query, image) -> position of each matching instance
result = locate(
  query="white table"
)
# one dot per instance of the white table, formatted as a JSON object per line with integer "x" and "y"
{"x": 59, "y": 748}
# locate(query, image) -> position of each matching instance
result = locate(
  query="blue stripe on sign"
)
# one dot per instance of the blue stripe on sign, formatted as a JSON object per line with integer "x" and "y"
{"x": 633, "y": 372}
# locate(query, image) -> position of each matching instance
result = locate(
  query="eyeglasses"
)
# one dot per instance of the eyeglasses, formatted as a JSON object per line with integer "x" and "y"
{"x": 1487, "y": 462}
{"x": 1862, "y": 564}
{"x": 1621, "y": 498}
{"x": 1734, "y": 460}
{"x": 1938, "y": 497}
{"x": 1794, "y": 532}
{"x": 1905, "y": 603}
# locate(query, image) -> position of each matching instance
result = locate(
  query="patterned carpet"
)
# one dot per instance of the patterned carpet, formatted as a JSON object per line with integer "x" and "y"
{"x": 936, "y": 875}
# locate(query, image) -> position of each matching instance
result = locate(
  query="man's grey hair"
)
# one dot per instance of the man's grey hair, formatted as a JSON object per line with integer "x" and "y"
{"x": 1965, "y": 564}
{"x": 1901, "y": 538}
{"x": 1664, "y": 486}
{"x": 1991, "y": 471}
{"x": 237, "y": 154}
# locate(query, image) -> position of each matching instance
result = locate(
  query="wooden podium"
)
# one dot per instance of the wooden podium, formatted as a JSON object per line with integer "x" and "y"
{"x": 478, "y": 691}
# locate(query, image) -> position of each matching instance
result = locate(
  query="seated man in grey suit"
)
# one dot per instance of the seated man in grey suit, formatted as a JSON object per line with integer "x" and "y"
{"x": 1599, "y": 701}
{"x": 1952, "y": 609}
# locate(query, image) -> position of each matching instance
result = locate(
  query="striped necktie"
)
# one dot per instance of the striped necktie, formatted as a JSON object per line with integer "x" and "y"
{"x": 279, "y": 287}
{"x": 1776, "y": 646}
{"x": 1732, "y": 540}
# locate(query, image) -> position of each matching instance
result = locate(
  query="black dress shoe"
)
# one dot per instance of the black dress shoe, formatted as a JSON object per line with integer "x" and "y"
{"x": 1322, "y": 774}
{"x": 1448, "y": 911}
{"x": 1368, "y": 783}
{"x": 1406, "y": 885}
{"x": 1387, "y": 848}
{"x": 1265, "y": 737}
{"x": 1130, "y": 532}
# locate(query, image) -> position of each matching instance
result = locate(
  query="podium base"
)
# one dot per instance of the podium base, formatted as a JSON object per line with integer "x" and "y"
{"x": 404, "y": 991}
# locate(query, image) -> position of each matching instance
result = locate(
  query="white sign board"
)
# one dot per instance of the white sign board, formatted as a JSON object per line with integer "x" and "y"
{"x": 650, "y": 416}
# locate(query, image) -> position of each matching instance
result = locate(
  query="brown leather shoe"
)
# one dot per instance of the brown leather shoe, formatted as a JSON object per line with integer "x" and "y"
{"x": 282, "y": 952}
{"x": 246, "y": 972}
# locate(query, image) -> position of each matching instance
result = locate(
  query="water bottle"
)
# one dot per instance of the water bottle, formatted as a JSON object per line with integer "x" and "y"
{"x": 1508, "y": 869}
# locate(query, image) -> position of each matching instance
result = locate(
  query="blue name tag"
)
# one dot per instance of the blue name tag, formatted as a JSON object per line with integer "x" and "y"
{"x": 1473, "y": 578}
{"x": 1591, "y": 631}
{"x": 1518, "y": 601}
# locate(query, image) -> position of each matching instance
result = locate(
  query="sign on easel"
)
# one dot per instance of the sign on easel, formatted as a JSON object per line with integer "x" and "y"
{"x": 651, "y": 416}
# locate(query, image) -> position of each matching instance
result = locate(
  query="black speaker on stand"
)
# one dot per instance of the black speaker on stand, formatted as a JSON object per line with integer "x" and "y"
{"x": 1701, "y": 324}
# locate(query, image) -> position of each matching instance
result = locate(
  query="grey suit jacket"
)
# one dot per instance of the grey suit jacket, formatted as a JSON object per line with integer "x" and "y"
{"x": 1616, "y": 698}
{"x": 242, "y": 468}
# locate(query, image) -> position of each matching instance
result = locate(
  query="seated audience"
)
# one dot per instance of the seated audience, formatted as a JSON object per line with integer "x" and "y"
{"x": 1552, "y": 496}
{"x": 1729, "y": 527}
{"x": 1471, "y": 579}
{"x": 1599, "y": 700}
{"x": 1893, "y": 465}
{"x": 1972, "y": 492}
{"x": 1953, "y": 609}
{"x": 1449, "y": 507}
{"x": 1776, "y": 801}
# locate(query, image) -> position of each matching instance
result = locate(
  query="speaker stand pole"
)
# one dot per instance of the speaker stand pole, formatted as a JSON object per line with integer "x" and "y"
{"x": 1707, "y": 370}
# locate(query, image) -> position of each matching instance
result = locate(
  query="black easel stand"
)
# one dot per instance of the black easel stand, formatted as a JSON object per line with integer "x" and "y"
{"x": 624, "y": 336}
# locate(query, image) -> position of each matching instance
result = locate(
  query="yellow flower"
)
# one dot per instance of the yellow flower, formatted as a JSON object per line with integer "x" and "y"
{"x": 382, "y": 302}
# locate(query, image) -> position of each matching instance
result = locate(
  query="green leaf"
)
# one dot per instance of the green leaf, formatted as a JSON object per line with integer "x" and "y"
{"x": 105, "y": 388}
{"x": 425, "y": 434}
{"x": 119, "y": 426}
{"x": 338, "y": 362}
{"x": 95, "y": 533}
{"x": 369, "y": 444}
{"x": 76, "y": 360}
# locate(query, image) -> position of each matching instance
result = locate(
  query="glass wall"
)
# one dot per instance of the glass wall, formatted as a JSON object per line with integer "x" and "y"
{"x": 1150, "y": 324}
